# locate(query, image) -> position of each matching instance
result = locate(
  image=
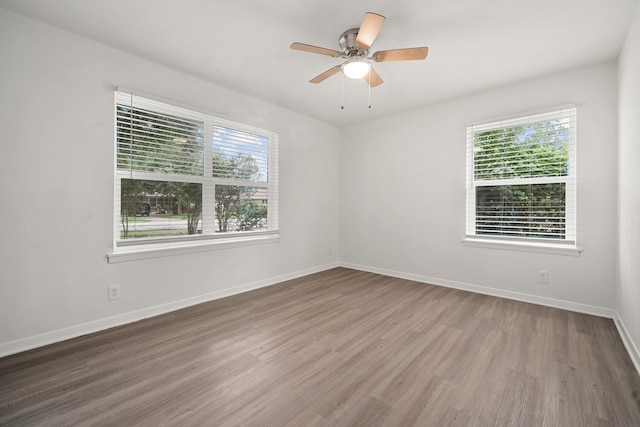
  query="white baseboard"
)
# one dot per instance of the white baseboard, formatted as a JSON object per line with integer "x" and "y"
{"x": 629, "y": 344}
{"x": 52, "y": 337}
{"x": 534, "y": 299}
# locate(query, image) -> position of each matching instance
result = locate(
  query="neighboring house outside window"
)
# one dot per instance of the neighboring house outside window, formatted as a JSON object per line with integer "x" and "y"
{"x": 521, "y": 179}
{"x": 181, "y": 175}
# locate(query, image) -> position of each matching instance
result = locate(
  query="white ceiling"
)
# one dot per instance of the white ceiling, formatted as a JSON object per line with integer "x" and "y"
{"x": 244, "y": 44}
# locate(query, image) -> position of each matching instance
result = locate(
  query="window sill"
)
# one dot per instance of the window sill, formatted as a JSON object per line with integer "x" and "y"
{"x": 545, "y": 248}
{"x": 135, "y": 253}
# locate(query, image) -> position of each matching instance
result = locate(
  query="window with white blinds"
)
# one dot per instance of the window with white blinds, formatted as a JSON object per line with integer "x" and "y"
{"x": 521, "y": 178}
{"x": 183, "y": 175}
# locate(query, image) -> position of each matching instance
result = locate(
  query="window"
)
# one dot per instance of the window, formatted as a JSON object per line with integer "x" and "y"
{"x": 183, "y": 176}
{"x": 521, "y": 179}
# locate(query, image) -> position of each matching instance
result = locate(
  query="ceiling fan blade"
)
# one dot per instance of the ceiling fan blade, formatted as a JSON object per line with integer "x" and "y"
{"x": 373, "y": 78}
{"x": 408, "y": 54}
{"x": 315, "y": 49}
{"x": 330, "y": 72}
{"x": 369, "y": 29}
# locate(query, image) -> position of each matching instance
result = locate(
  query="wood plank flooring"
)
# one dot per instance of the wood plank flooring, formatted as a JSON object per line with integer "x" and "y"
{"x": 337, "y": 348}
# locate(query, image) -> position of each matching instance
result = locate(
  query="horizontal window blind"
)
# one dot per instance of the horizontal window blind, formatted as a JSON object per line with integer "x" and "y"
{"x": 182, "y": 174}
{"x": 521, "y": 177}
{"x": 153, "y": 141}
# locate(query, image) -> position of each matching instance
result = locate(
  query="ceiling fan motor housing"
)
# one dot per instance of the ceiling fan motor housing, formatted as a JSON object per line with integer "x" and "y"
{"x": 348, "y": 44}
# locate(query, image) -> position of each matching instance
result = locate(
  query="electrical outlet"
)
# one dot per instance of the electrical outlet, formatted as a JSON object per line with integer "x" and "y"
{"x": 543, "y": 276}
{"x": 113, "y": 292}
{"x": 329, "y": 251}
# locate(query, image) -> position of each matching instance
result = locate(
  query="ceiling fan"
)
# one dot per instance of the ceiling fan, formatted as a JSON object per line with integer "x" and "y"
{"x": 355, "y": 44}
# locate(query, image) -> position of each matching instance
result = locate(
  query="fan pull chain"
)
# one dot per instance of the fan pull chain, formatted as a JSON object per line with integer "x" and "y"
{"x": 369, "y": 84}
{"x": 342, "y": 99}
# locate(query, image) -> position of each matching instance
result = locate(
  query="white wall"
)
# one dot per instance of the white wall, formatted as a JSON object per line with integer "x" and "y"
{"x": 403, "y": 195}
{"x": 56, "y": 169}
{"x": 628, "y": 284}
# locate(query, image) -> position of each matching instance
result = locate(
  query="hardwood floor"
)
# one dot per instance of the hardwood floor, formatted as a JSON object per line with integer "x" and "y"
{"x": 337, "y": 348}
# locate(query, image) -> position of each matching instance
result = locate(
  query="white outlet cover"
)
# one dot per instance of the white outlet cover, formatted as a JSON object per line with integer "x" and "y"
{"x": 543, "y": 276}
{"x": 113, "y": 292}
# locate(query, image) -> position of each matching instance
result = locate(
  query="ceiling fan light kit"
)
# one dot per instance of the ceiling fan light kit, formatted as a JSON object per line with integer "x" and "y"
{"x": 356, "y": 68}
{"x": 355, "y": 44}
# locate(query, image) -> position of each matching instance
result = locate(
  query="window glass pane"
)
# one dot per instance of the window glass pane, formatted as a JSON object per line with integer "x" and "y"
{"x": 539, "y": 149}
{"x": 536, "y": 210}
{"x": 155, "y": 142}
{"x": 240, "y": 208}
{"x": 239, "y": 155}
{"x": 159, "y": 208}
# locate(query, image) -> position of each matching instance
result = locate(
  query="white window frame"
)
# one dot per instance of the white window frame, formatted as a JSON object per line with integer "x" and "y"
{"x": 566, "y": 246}
{"x": 210, "y": 239}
